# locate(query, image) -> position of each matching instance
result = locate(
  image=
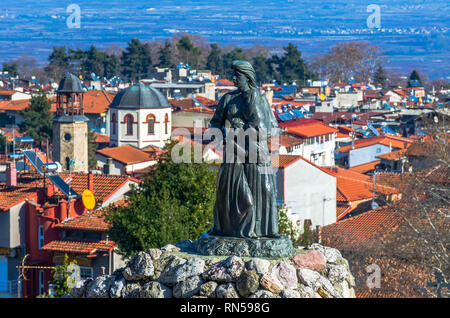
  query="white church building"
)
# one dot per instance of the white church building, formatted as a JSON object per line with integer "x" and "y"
{"x": 139, "y": 116}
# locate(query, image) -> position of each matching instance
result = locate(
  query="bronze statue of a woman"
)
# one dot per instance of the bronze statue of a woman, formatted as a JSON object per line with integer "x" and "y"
{"x": 246, "y": 190}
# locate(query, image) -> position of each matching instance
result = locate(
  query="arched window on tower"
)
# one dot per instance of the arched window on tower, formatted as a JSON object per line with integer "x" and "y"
{"x": 114, "y": 122}
{"x": 129, "y": 124}
{"x": 166, "y": 124}
{"x": 151, "y": 124}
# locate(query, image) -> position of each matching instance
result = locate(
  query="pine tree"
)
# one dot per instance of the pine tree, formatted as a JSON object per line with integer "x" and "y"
{"x": 11, "y": 68}
{"x": 228, "y": 58}
{"x": 189, "y": 52}
{"x": 165, "y": 56}
{"x": 262, "y": 68}
{"x": 59, "y": 63}
{"x": 380, "y": 77}
{"x": 414, "y": 76}
{"x": 291, "y": 67}
{"x": 136, "y": 60}
{"x": 214, "y": 60}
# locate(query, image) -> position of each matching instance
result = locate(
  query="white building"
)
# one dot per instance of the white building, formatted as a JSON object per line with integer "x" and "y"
{"x": 318, "y": 140}
{"x": 140, "y": 116}
{"x": 348, "y": 99}
{"x": 307, "y": 191}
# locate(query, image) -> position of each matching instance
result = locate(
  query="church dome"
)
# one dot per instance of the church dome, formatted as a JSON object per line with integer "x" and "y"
{"x": 70, "y": 84}
{"x": 140, "y": 96}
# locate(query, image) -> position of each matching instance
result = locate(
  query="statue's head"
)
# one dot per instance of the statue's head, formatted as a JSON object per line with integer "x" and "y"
{"x": 244, "y": 75}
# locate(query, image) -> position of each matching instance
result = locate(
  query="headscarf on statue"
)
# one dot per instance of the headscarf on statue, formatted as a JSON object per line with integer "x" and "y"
{"x": 259, "y": 110}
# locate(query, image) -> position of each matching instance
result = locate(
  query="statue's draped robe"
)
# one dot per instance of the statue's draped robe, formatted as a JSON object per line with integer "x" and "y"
{"x": 246, "y": 191}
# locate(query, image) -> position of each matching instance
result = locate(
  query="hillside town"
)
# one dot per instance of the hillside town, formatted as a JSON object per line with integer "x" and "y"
{"x": 340, "y": 157}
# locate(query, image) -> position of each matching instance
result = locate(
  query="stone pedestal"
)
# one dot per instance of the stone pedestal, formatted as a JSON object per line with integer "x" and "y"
{"x": 243, "y": 247}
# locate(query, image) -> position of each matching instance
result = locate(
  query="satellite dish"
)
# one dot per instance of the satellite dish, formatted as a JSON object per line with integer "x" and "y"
{"x": 88, "y": 199}
{"x": 322, "y": 96}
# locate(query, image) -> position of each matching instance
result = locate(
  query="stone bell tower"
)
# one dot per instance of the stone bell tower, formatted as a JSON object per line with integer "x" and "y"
{"x": 70, "y": 129}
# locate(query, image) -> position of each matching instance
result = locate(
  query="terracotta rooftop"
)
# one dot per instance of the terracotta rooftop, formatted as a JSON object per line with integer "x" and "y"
{"x": 100, "y": 138}
{"x": 393, "y": 155}
{"x": 284, "y": 160}
{"x": 14, "y": 105}
{"x": 90, "y": 221}
{"x": 104, "y": 184}
{"x": 353, "y": 186}
{"x": 125, "y": 154}
{"x": 310, "y": 129}
{"x": 361, "y": 230}
{"x": 79, "y": 247}
{"x": 188, "y": 104}
{"x": 342, "y": 172}
{"x": 366, "y": 167}
{"x": 6, "y": 92}
{"x": 387, "y": 140}
{"x": 10, "y": 197}
{"x": 285, "y": 141}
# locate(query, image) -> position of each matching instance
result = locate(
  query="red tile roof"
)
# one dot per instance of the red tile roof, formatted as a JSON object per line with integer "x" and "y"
{"x": 361, "y": 230}
{"x": 6, "y": 92}
{"x": 353, "y": 186}
{"x": 14, "y": 105}
{"x": 306, "y": 129}
{"x": 285, "y": 141}
{"x": 9, "y": 134}
{"x": 284, "y": 160}
{"x": 342, "y": 172}
{"x": 79, "y": 247}
{"x": 125, "y": 154}
{"x": 224, "y": 82}
{"x": 188, "y": 105}
{"x": 104, "y": 184}
{"x": 393, "y": 155}
{"x": 100, "y": 138}
{"x": 366, "y": 167}
{"x": 387, "y": 140}
{"x": 12, "y": 196}
{"x": 90, "y": 221}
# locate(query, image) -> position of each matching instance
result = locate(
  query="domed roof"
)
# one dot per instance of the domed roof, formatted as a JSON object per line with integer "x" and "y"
{"x": 140, "y": 96}
{"x": 70, "y": 84}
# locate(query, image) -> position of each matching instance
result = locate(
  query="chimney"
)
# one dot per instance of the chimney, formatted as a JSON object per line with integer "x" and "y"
{"x": 90, "y": 184}
{"x": 108, "y": 167}
{"x": 11, "y": 174}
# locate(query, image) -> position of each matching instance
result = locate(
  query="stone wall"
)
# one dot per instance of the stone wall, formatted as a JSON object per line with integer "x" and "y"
{"x": 317, "y": 272}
